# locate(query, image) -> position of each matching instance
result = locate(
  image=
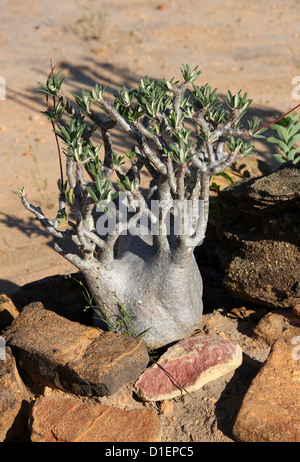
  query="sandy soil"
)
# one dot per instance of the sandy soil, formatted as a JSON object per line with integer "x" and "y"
{"x": 247, "y": 44}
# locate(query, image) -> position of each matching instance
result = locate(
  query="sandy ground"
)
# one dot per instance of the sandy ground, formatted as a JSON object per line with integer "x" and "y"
{"x": 249, "y": 45}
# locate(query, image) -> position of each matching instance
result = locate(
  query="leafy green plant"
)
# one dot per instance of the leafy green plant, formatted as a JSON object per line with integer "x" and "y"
{"x": 287, "y": 130}
{"x": 182, "y": 135}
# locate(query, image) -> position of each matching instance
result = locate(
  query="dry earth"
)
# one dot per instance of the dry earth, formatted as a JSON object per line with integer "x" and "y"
{"x": 249, "y": 45}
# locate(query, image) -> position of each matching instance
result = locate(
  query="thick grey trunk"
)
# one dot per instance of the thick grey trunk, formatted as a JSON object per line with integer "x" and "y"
{"x": 162, "y": 294}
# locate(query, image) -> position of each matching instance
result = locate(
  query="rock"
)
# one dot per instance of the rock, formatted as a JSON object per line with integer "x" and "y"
{"x": 277, "y": 325}
{"x": 187, "y": 366}
{"x": 270, "y": 410}
{"x": 73, "y": 357}
{"x": 70, "y": 420}
{"x": 296, "y": 309}
{"x": 14, "y": 398}
{"x": 260, "y": 229}
{"x": 62, "y": 294}
{"x": 8, "y": 312}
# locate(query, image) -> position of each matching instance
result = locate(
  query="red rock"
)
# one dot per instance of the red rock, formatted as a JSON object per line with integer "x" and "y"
{"x": 270, "y": 411}
{"x": 187, "y": 366}
{"x": 70, "y": 420}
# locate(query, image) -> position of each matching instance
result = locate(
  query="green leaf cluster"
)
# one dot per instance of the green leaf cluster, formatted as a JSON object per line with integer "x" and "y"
{"x": 153, "y": 98}
{"x": 236, "y": 144}
{"x": 55, "y": 113}
{"x": 21, "y": 191}
{"x": 131, "y": 154}
{"x": 209, "y": 103}
{"x": 94, "y": 164}
{"x": 117, "y": 160}
{"x": 76, "y": 147}
{"x": 155, "y": 103}
{"x": 188, "y": 75}
{"x": 85, "y": 102}
{"x": 254, "y": 128}
{"x": 62, "y": 187}
{"x": 70, "y": 195}
{"x": 204, "y": 97}
{"x": 126, "y": 184}
{"x": 287, "y": 130}
{"x": 238, "y": 101}
{"x": 101, "y": 190}
{"x": 97, "y": 92}
{"x": 123, "y": 104}
{"x": 53, "y": 86}
{"x": 149, "y": 99}
{"x": 87, "y": 98}
{"x": 180, "y": 153}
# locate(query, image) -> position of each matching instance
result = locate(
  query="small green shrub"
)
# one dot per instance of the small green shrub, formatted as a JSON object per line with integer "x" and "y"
{"x": 287, "y": 130}
{"x": 181, "y": 134}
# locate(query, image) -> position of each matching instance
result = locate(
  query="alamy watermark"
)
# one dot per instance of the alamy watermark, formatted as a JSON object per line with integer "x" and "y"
{"x": 296, "y": 350}
{"x": 2, "y": 349}
{"x": 2, "y": 88}
{"x": 296, "y": 90}
{"x": 170, "y": 218}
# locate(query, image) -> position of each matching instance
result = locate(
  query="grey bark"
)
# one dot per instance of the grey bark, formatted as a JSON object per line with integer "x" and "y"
{"x": 163, "y": 296}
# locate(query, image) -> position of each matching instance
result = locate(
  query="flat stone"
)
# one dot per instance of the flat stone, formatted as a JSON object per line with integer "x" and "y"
{"x": 187, "y": 366}
{"x": 270, "y": 411}
{"x": 14, "y": 398}
{"x": 73, "y": 357}
{"x": 70, "y": 420}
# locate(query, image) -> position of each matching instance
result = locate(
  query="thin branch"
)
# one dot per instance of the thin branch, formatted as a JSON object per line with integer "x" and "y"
{"x": 204, "y": 196}
{"x": 125, "y": 126}
{"x": 171, "y": 175}
{"x": 219, "y": 166}
{"x": 228, "y": 128}
{"x": 61, "y": 247}
{"x": 107, "y": 149}
{"x": 53, "y": 126}
{"x": 149, "y": 135}
{"x": 70, "y": 172}
{"x": 164, "y": 197}
{"x": 178, "y": 92}
{"x": 181, "y": 204}
{"x": 276, "y": 120}
{"x": 49, "y": 225}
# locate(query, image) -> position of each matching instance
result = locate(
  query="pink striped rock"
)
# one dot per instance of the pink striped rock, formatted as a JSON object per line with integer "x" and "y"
{"x": 187, "y": 366}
